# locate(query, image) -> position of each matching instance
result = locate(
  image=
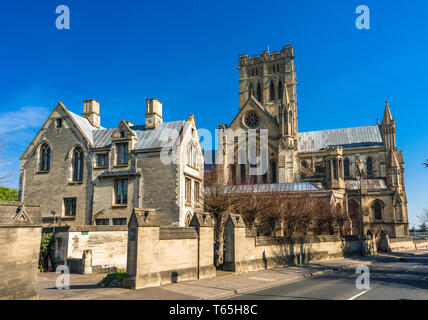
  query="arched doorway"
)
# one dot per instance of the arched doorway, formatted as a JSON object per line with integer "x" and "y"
{"x": 354, "y": 215}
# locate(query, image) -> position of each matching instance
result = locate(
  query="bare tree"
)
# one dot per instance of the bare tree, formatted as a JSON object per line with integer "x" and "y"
{"x": 341, "y": 217}
{"x": 220, "y": 200}
{"x": 291, "y": 214}
{"x": 325, "y": 215}
{"x": 253, "y": 205}
{"x": 273, "y": 213}
{"x": 306, "y": 215}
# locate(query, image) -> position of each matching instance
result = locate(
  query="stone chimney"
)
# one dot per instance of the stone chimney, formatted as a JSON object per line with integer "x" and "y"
{"x": 91, "y": 111}
{"x": 153, "y": 113}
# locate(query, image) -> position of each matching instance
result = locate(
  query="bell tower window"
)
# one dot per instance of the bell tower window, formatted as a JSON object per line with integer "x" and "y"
{"x": 272, "y": 91}
{"x": 259, "y": 92}
{"x": 280, "y": 90}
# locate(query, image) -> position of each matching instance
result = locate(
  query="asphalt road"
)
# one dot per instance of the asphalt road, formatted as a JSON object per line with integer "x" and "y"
{"x": 391, "y": 279}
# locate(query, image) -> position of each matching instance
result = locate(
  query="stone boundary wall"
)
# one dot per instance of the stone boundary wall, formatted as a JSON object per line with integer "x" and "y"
{"x": 404, "y": 243}
{"x": 170, "y": 233}
{"x": 421, "y": 244}
{"x": 108, "y": 246}
{"x": 20, "y": 236}
{"x": 159, "y": 255}
{"x": 397, "y": 244}
{"x": 246, "y": 252}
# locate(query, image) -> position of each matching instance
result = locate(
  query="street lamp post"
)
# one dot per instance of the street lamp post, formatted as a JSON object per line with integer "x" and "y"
{"x": 360, "y": 215}
{"x": 360, "y": 212}
{"x": 360, "y": 209}
{"x": 50, "y": 267}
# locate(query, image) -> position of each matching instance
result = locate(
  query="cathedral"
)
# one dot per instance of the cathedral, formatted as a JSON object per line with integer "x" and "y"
{"x": 361, "y": 163}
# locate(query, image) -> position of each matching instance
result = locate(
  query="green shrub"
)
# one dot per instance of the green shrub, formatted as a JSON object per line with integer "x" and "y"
{"x": 45, "y": 249}
{"x": 7, "y": 194}
{"x": 119, "y": 276}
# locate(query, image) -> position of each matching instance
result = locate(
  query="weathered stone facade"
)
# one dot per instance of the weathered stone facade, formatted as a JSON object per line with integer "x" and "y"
{"x": 353, "y": 161}
{"x": 246, "y": 252}
{"x": 107, "y": 244}
{"x": 20, "y": 234}
{"x": 87, "y": 174}
{"x": 159, "y": 255}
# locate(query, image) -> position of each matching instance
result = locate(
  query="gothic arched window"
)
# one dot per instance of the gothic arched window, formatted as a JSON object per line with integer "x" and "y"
{"x": 273, "y": 169}
{"x": 369, "y": 165}
{"x": 353, "y": 209}
{"x": 188, "y": 219}
{"x": 233, "y": 174}
{"x": 272, "y": 91}
{"x": 259, "y": 92}
{"x": 78, "y": 164}
{"x": 45, "y": 157}
{"x": 335, "y": 175}
{"x": 189, "y": 153}
{"x": 347, "y": 168}
{"x": 280, "y": 90}
{"x": 377, "y": 210}
{"x": 242, "y": 173}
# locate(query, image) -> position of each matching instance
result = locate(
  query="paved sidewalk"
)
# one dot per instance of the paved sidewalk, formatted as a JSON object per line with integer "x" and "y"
{"x": 79, "y": 286}
{"x": 224, "y": 285}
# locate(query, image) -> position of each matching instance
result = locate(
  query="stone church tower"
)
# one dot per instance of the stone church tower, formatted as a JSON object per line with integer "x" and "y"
{"x": 360, "y": 165}
{"x": 271, "y": 80}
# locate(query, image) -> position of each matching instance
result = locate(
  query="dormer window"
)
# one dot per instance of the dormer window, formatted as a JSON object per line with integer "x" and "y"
{"x": 122, "y": 153}
{"x": 122, "y": 134}
{"x": 102, "y": 160}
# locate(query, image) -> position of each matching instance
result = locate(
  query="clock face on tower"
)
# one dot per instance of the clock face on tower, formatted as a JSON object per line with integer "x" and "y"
{"x": 252, "y": 120}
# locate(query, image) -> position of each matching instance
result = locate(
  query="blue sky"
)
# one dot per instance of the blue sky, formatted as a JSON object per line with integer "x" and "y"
{"x": 185, "y": 53}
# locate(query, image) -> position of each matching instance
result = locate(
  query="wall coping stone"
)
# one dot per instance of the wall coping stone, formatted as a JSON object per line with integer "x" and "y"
{"x": 401, "y": 239}
{"x": 88, "y": 228}
{"x": 19, "y": 214}
{"x": 172, "y": 233}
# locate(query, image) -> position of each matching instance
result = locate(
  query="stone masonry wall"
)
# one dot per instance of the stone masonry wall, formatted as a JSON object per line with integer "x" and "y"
{"x": 107, "y": 243}
{"x": 39, "y": 187}
{"x": 159, "y": 187}
{"x": 19, "y": 250}
{"x": 245, "y": 252}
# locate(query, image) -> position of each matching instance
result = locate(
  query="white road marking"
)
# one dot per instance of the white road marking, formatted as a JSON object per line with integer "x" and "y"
{"x": 412, "y": 268}
{"x": 358, "y": 295}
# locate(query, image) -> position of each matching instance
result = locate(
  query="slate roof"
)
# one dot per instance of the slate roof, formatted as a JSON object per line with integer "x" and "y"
{"x": 372, "y": 184}
{"x": 272, "y": 187}
{"x": 147, "y": 138}
{"x": 346, "y": 138}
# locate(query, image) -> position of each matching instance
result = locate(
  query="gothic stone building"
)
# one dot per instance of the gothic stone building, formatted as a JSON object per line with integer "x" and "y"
{"x": 329, "y": 159}
{"x": 88, "y": 174}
